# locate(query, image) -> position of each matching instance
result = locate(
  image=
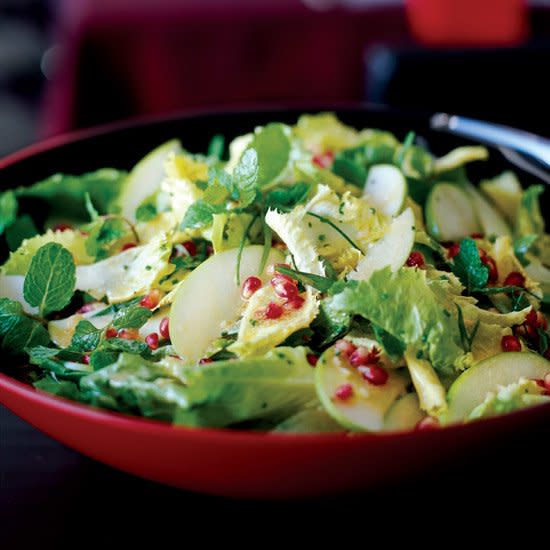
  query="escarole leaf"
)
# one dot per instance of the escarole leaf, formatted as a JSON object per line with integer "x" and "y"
{"x": 8, "y": 209}
{"x": 427, "y": 324}
{"x": 50, "y": 281}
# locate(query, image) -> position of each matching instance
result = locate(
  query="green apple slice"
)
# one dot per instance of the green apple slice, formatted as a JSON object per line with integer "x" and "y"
{"x": 386, "y": 188}
{"x": 391, "y": 250}
{"x": 209, "y": 298}
{"x": 471, "y": 387}
{"x": 404, "y": 414}
{"x": 366, "y": 408}
{"x": 449, "y": 213}
{"x": 145, "y": 179}
{"x": 491, "y": 221}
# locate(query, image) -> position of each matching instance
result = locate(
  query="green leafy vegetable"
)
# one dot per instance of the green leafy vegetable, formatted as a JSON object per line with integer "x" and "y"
{"x": 105, "y": 234}
{"x": 50, "y": 281}
{"x": 246, "y": 176}
{"x": 8, "y": 209}
{"x": 22, "y": 228}
{"x": 132, "y": 317}
{"x": 216, "y": 147}
{"x": 393, "y": 347}
{"x": 284, "y": 199}
{"x": 316, "y": 281}
{"x": 468, "y": 267}
{"x": 86, "y": 337}
{"x": 199, "y": 214}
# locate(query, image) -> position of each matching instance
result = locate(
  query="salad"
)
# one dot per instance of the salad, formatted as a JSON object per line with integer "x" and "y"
{"x": 310, "y": 278}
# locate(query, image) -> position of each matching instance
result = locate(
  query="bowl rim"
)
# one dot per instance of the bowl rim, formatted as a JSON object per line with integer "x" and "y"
{"x": 164, "y": 428}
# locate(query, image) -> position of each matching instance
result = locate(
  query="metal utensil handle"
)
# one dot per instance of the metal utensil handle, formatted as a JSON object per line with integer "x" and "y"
{"x": 494, "y": 134}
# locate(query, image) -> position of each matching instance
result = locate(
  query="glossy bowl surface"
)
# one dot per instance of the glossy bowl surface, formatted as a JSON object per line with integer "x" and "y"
{"x": 225, "y": 462}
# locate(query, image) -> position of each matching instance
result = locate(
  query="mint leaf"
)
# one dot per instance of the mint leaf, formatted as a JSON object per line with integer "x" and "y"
{"x": 9, "y": 312}
{"x": 146, "y": 212}
{"x": 50, "y": 281}
{"x": 130, "y": 346}
{"x": 86, "y": 337}
{"x": 272, "y": 146}
{"x": 216, "y": 147}
{"x": 22, "y": 228}
{"x": 100, "y": 359}
{"x": 246, "y": 177}
{"x": 48, "y": 359}
{"x": 8, "y": 209}
{"x": 285, "y": 199}
{"x": 134, "y": 317}
{"x": 199, "y": 214}
{"x": 468, "y": 267}
{"x": 104, "y": 234}
{"x": 24, "y": 332}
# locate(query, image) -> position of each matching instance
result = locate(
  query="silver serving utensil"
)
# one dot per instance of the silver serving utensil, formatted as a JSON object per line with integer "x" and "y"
{"x": 523, "y": 149}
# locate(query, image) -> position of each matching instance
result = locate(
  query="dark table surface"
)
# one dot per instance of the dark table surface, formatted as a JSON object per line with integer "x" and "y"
{"x": 52, "y": 497}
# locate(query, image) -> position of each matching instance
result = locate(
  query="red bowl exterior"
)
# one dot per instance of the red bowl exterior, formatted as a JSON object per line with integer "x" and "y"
{"x": 246, "y": 464}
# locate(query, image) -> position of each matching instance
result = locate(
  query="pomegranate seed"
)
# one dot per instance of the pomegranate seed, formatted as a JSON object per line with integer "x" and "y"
{"x": 345, "y": 347}
{"x": 127, "y": 246}
{"x": 416, "y": 259}
{"x": 323, "y": 160}
{"x": 86, "y": 308}
{"x": 374, "y": 374}
{"x": 427, "y": 424}
{"x": 510, "y": 343}
{"x": 535, "y": 319}
{"x": 111, "y": 332}
{"x": 312, "y": 359}
{"x": 284, "y": 287}
{"x": 539, "y": 382}
{"x": 364, "y": 356}
{"x": 128, "y": 333}
{"x": 344, "y": 392}
{"x": 493, "y": 270}
{"x": 151, "y": 300}
{"x": 191, "y": 248}
{"x": 250, "y": 286}
{"x": 547, "y": 381}
{"x": 453, "y": 250}
{"x": 295, "y": 303}
{"x": 273, "y": 310}
{"x": 164, "y": 328}
{"x": 86, "y": 359}
{"x": 477, "y": 235}
{"x": 205, "y": 361}
{"x": 514, "y": 279}
{"x": 62, "y": 227}
{"x": 152, "y": 340}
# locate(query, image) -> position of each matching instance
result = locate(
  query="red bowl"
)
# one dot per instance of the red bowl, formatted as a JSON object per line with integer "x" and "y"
{"x": 226, "y": 462}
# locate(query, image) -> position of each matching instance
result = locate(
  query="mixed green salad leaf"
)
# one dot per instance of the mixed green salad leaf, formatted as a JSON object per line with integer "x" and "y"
{"x": 323, "y": 278}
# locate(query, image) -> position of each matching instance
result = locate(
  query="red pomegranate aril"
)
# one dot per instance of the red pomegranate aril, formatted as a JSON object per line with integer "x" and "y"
{"x": 547, "y": 381}
{"x": 191, "y": 248}
{"x": 510, "y": 343}
{"x": 536, "y": 319}
{"x": 493, "y": 270}
{"x": 284, "y": 288}
{"x": 323, "y": 160}
{"x": 273, "y": 310}
{"x": 60, "y": 227}
{"x": 152, "y": 340}
{"x": 345, "y": 347}
{"x": 205, "y": 361}
{"x": 127, "y": 246}
{"x": 453, "y": 250}
{"x": 295, "y": 303}
{"x": 312, "y": 359}
{"x": 514, "y": 279}
{"x": 128, "y": 333}
{"x": 250, "y": 286}
{"x": 374, "y": 374}
{"x": 151, "y": 300}
{"x": 111, "y": 332}
{"x": 428, "y": 423}
{"x": 344, "y": 392}
{"x": 477, "y": 235}
{"x": 361, "y": 356}
{"x": 416, "y": 259}
{"x": 86, "y": 359}
{"x": 164, "y": 328}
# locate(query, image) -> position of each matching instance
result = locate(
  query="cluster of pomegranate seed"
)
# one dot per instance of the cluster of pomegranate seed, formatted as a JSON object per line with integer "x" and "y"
{"x": 287, "y": 288}
{"x": 152, "y": 339}
{"x": 323, "y": 160}
{"x": 365, "y": 360}
{"x": 250, "y": 286}
{"x": 416, "y": 259}
{"x": 273, "y": 310}
{"x": 535, "y": 321}
{"x": 151, "y": 300}
{"x": 515, "y": 278}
